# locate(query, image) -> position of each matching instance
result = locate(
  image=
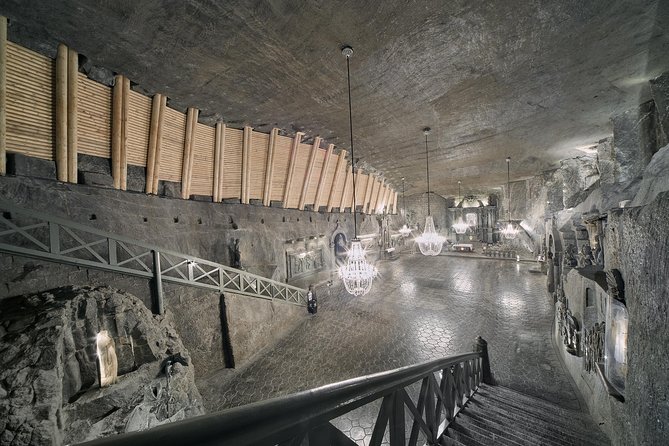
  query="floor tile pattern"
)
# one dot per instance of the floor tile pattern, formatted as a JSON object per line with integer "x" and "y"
{"x": 420, "y": 308}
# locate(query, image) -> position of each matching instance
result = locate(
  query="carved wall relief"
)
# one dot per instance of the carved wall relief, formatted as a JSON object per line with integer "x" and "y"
{"x": 304, "y": 257}
{"x": 569, "y": 330}
{"x": 593, "y": 347}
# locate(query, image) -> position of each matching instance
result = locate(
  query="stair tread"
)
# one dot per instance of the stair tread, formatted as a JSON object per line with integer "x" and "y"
{"x": 528, "y": 433}
{"x": 502, "y": 416}
{"x": 573, "y": 429}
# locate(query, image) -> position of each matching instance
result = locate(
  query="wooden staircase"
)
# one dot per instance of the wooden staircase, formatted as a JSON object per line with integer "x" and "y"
{"x": 497, "y": 415}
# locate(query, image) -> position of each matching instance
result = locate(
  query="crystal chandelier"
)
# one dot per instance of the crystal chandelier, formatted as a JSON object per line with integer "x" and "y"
{"x": 357, "y": 274}
{"x": 460, "y": 226}
{"x": 404, "y": 230}
{"x": 429, "y": 243}
{"x": 510, "y": 231}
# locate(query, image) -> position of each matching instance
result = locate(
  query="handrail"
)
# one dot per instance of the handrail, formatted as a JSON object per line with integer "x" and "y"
{"x": 56, "y": 239}
{"x": 445, "y": 385}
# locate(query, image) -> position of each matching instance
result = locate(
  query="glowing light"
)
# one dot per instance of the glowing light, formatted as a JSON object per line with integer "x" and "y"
{"x": 106, "y": 358}
{"x": 460, "y": 227}
{"x": 357, "y": 274}
{"x": 510, "y": 231}
{"x": 430, "y": 242}
{"x": 405, "y": 231}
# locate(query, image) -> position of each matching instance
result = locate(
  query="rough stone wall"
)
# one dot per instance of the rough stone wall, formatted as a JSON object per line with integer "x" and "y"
{"x": 258, "y": 324}
{"x": 634, "y": 141}
{"x": 49, "y": 380}
{"x": 637, "y": 245}
{"x": 659, "y": 89}
{"x": 416, "y": 208}
{"x": 201, "y": 229}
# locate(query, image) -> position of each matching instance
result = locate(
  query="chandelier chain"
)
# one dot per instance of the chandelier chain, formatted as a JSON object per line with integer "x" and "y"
{"x": 350, "y": 126}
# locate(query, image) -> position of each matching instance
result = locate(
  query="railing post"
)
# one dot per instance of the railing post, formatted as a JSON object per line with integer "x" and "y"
{"x": 54, "y": 238}
{"x": 157, "y": 277}
{"x": 481, "y": 346}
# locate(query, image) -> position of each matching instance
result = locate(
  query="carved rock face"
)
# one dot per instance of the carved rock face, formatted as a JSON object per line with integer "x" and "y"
{"x": 51, "y": 344}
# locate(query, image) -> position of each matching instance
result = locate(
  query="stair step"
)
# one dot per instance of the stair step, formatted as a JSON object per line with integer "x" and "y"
{"x": 464, "y": 438}
{"x": 525, "y": 436}
{"x": 482, "y": 435}
{"x": 528, "y": 434}
{"x": 506, "y": 394}
{"x": 577, "y": 428}
{"x": 549, "y": 413}
{"x": 544, "y": 424}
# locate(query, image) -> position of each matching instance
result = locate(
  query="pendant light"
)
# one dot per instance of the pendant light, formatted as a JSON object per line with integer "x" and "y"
{"x": 429, "y": 243}
{"x": 357, "y": 274}
{"x": 461, "y": 226}
{"x": 404, "y": 230}
{"x": 509, "y": 231}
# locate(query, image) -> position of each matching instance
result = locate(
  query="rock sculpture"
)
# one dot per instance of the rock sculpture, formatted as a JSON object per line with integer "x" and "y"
{"x": 593, "y": 346}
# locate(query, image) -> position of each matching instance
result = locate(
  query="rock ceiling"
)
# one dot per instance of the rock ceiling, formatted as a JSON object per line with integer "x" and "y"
{"x": 535, "y": 80}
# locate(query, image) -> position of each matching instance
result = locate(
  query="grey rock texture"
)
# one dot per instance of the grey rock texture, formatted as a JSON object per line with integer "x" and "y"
{"x": 605, "y": 161}
{"x": 50, "y": 377}
{"x": 633, "y": 141}
{"x": 578, "y": 175}
{"x": 655, "y": 178}
{"x": 659, "y": 88}
{"x": 256, "y": 324}
{"x": 638, "y": 246}
{"x": 201, "y": 229}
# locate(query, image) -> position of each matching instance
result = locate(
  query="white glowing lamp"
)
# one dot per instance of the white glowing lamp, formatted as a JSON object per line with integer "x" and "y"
{"x": 460, "y": 227}
{"x": 405, "y": 231}
{"x": 357, "y": 274}
{"x": 430, "y": 243}
{"x": 509, "y": 232}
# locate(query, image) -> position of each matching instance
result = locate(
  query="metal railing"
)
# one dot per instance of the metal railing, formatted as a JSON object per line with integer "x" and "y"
{"x": 412, "y": 405}
{"x": 38, "y": 235}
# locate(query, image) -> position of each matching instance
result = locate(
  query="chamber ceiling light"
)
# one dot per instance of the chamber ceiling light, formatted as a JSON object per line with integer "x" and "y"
{"x": 510, "y": 231}
{"x": 357, "y": 274}
{"x": 460, "y": 226}
{"x": 429, "y": 242}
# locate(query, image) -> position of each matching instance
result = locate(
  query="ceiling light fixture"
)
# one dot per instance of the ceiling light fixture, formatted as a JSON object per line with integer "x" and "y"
{"x": 461, "y": 226}
{"x": 404, "y": 230}
{"x": 430, "y": 242}
{"x": 357, "y": 274}
{"x": 509, "y": 231}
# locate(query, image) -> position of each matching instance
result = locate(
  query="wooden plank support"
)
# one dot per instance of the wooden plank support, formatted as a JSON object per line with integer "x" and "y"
{"x": 187, "y": 167}
{"x": 72, "y": 100}
{"x": 120, "y": 131}
{"x": 339, "y": 169}
{"x": 324, "y": 173}
{"x": 269, "y": 167}
{"x": 159, "y": 144}
{"x": 375, "y": 189}
{"x": 3, "y": 95}
{"x": 368, "y": 194}
{"x": 219, "y": 151}
{"x": 246, "y": 164}
{"x": 395, "y": 203}
{"x": 310, "y": 170}
{"x": 384, "y": 199}
{"x": 291, "y": 167}
{"x": 347, "y": 180}
{"x": 61, "y": 113}
{"x": 153, "y": 142}
{"x": 125, "y": 92}
{"x": 377, "y": 195}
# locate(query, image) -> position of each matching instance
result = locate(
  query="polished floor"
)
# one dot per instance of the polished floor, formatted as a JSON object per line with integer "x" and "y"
{"x": 420, "y": 308}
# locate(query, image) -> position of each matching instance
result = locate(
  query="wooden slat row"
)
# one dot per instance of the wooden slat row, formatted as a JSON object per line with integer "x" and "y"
{"x": 155, "y": 143}
{"x": 269, "y": 166}
{"x": 138, "y": 126}
{"x": 308, "y": 172}
{"x": 202, "y": 174}
{"x": 94, "y": 118}
{"x": 337, "y": 182}
{"x": 291, "y": 169}
{"x": 187, "y": 166}
{"x": 232, "y": 161}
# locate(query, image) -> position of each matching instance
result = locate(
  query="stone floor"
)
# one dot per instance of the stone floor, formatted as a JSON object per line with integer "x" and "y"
{"x": 419, "y": 308}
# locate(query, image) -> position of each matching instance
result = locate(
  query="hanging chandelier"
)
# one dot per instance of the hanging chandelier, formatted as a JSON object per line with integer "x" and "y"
{"x": 404, "y": 230}
{"x": 430, "y": 242}
{"x": 357, "y": 274}
{"x": 460, "y": 226}
{"x": 510, "y": 231}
